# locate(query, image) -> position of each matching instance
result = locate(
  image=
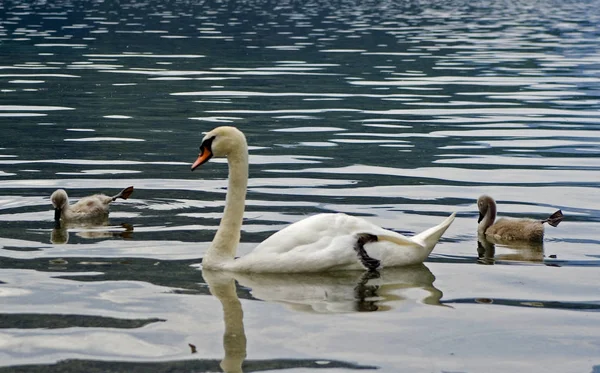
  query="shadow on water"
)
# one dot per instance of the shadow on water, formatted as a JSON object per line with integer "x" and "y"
{"x": 176, "y": 274}
{"x": 48, "y": 321}
{"x": 208, "y": 365}
{"x": 529, "y": 303}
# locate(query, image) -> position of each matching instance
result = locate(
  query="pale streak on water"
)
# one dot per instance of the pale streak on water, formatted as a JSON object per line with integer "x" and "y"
{"x": 401, "y": 113}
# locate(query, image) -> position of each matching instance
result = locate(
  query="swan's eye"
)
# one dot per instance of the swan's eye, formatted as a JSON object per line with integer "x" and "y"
{"x": 207, "y": 143}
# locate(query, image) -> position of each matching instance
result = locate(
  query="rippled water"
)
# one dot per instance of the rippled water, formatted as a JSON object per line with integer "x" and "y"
{"x": 402, "y": 113}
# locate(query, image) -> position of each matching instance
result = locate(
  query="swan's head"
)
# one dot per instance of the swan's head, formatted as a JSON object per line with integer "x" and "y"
{"x": 484, "y": 204}
{"x": 221, "y": 142}
{"x": 60, "y": 201}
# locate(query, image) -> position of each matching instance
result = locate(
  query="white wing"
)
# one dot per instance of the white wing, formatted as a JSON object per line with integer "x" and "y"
{"x": 319, "y": 231}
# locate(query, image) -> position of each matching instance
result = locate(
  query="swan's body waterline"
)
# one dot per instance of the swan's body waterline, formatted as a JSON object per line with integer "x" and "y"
{"x": 318, "y": 243}
{"x": 507, "y": 230}
{"x": 90, "y": 208}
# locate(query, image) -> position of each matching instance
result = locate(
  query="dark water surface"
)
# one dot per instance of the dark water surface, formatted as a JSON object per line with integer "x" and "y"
{"x": 399, "y": 112}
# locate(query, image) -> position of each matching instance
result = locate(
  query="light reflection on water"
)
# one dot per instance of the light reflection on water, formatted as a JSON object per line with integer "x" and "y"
{"x": 398, "y": 112}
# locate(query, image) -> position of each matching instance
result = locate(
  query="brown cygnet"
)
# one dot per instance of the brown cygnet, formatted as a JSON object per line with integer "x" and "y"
{"x": 87, "y": 208}
{"x": 511, "y": 229}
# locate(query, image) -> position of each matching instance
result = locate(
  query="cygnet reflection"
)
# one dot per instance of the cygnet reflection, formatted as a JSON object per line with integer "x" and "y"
{"x": 60, "y": 233}
{"x": 519, "y": 251}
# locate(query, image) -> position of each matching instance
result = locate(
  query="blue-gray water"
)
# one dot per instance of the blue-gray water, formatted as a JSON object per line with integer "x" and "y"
{"x": 399, "y": 112}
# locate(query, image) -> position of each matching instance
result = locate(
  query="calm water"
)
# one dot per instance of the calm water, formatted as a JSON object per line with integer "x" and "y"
{"x": 402, "y": 113}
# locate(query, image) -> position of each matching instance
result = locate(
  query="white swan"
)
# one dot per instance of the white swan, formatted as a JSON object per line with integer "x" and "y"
{"x": 94, "y": 207}
{"x": 318, "y": 243}
{"x": 508, "y": 230}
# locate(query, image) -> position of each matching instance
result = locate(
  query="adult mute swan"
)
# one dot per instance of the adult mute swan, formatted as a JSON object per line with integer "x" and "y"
{"x": 322, "y": 242}
{"x": 94, "y": 207}
{"x": 511, "y": 229}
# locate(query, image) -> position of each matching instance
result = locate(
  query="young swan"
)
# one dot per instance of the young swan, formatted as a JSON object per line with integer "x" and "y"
{"x": 321, "y": 242}
{"x": 511, "y": 229}
{"x": 86, "y": 209}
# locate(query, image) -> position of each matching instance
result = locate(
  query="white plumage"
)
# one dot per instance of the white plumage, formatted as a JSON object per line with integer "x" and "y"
{"x": 318, "y": 243}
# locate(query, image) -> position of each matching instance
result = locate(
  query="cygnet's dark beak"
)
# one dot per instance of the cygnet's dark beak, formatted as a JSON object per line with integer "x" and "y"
{"x": 57, "y": 212}
{"x": 480, "y": 217}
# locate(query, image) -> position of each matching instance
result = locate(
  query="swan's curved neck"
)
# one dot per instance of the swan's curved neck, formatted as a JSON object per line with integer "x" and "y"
{"x": 488, "y": 218}
{"x": 224, "y": 246}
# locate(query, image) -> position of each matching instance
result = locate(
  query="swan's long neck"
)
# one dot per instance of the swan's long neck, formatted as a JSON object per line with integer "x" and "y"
{"x": 488, "y": 218}
{"x": 224, "y": 246}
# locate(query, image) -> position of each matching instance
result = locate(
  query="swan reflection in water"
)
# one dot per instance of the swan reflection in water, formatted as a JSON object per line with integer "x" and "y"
{"x": 343, "y": 291}
{"x": 222, "y": 286}
{"x": 89, "y": 230}
{"x": 520, "y": 251}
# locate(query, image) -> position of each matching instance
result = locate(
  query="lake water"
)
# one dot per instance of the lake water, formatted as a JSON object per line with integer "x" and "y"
{"x": 398, "y": 112}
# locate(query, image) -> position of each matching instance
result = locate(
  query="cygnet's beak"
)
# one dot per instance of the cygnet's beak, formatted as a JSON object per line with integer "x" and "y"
{"x": 480, "y": 217}
{"x": 57, "y": 212}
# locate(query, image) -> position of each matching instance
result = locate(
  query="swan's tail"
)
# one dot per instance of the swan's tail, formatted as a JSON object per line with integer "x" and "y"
{"x": 430, "y": 237}
{"x": 125, "y": 193}
{"x": 554, "y": 219}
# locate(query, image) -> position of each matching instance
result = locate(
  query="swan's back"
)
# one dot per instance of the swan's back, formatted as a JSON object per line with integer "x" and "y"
{"x": 312, "y": 233}
{"x": 516, "y": 230}
{"x": 326, "y": 242}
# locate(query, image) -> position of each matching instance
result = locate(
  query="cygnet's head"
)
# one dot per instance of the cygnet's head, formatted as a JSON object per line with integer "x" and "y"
{"x": 484, "y": 204}
{"x": 221, "y": 142}
{"x": 60, "y": 201}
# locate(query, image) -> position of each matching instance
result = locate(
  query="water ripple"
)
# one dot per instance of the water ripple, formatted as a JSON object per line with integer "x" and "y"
{"x": 401, "y": 113}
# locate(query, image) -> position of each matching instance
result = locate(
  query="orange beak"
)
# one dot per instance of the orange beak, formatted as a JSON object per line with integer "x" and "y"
{"x": 203, "y": 157}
